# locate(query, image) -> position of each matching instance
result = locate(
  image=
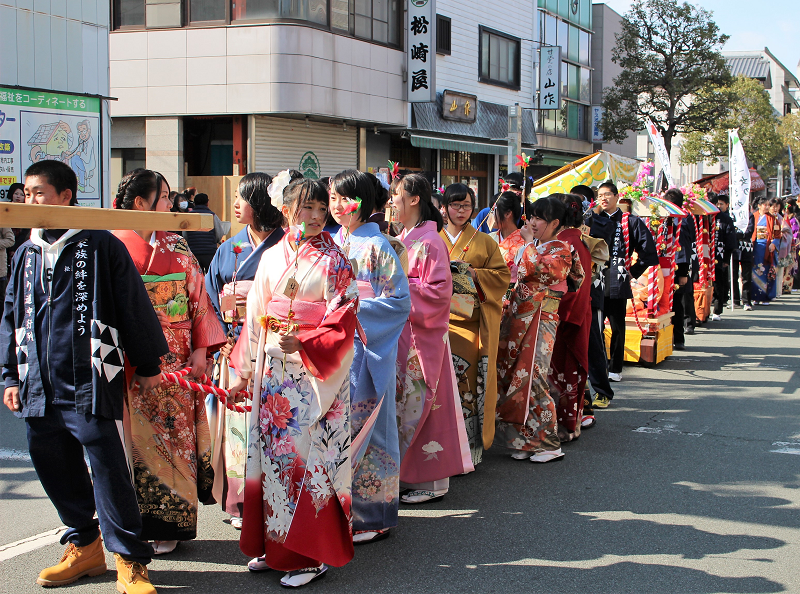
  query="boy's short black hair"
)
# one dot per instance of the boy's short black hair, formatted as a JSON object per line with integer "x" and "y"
{"x": 58, "y": 174}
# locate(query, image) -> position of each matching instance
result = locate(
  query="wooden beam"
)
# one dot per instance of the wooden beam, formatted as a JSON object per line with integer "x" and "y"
{"x": 39, "y": 216}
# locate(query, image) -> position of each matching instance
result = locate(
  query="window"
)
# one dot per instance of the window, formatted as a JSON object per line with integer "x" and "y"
{"x": 550, "y": 30}
{"x": 315, "y": 11}
{"x": 443, "y": 30}
{"x": 563, "y": 37}
{"x": 206, "y": 10}
{"x": 128, "y": 13}
{"x": 586, "y": 48}
{"x": 499, "y": 59}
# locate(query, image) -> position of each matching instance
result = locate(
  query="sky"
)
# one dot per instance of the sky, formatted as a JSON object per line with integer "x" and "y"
{"x": 774, "y": 24}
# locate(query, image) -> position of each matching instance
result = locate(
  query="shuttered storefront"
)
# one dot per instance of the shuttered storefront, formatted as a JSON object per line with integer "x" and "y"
{"x": 316, "y": 149}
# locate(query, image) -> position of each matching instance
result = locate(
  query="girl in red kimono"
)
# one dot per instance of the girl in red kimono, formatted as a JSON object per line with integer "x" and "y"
{"x": 297, "y": 349}
{"x": 570, "y": 363}
{"x": 166, "y": 430}
{"x": 508, "y": 211}
{"x": 526, "y": 412}
{"x": 433, "y": 437}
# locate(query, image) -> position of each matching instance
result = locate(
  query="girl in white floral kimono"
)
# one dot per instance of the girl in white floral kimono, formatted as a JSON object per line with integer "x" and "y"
{"x": 296, "y": 351}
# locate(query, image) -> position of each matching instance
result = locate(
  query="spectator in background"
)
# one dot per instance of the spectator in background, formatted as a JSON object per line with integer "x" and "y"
{"x": 6, "y": 244}
{"x": 488, "y": 224}
{"x": 204, "y": 243}
{"x": 726, "y": 244}
{"x": 16, "y": 194}
{"x": 180, "y": 203}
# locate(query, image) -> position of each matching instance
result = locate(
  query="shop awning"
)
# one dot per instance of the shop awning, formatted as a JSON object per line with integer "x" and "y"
{"x": 491, "y": 123}
{"x": 719, "y": 183}
{"x": 458, "y": 145}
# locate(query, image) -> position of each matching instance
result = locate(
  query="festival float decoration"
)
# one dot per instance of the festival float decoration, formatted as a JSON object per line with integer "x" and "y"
{"x": 704, "y": 215}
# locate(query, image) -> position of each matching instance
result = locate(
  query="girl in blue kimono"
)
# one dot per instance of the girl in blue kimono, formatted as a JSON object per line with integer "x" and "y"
{"x": 766, "y": 242}
{"x": 384, "y": 307}
{"x": 228, "y": 281}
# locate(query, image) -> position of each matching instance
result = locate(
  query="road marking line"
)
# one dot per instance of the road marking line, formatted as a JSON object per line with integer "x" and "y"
{"x": 664, "y": 430}
{"x": 31, "y": 543}
{"x": 15, "y": 455}
{"x": 437, "y": 513}
{"x": 788, "y": 447}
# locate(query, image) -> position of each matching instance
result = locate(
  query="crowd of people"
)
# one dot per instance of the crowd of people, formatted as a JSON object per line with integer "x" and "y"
{"x": 366, "y": 362}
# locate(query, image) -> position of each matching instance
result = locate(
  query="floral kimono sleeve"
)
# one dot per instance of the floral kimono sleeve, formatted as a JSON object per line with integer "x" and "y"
{"x": 324, "y": 348}
{"x": 430, "y": 282}
{"x": 547, "y": 268}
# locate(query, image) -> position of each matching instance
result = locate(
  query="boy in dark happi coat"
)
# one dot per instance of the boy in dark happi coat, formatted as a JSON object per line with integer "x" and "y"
{"x": 75, "y": 308}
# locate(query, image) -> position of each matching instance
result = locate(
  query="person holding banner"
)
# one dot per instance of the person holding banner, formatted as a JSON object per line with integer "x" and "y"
{"x": 726, "y": 244}
{"x": 86, "y": 311}
{"x": 743, "y": 262}
{"x": 384, "y": 305}
{"x": 625, "y": 234}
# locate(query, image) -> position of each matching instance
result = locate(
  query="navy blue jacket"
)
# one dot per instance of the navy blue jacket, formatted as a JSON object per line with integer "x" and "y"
{"x": 617, "y": 283}
{"x": 686, "y": 257}
{"x": 66, "y": 343}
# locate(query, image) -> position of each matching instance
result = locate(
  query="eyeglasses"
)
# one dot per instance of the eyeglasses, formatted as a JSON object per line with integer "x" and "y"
{"x": 460, "y": 207}
{"x": 606, "y": 195}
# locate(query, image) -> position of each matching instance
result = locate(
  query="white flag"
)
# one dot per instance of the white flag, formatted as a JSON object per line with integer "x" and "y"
{"x": 661, "y": 150}
{"x": 739, "y": 182}
{"x": 794, "y": 188}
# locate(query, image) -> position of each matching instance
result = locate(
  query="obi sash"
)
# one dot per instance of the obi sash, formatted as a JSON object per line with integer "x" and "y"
{"x": 365, "y": 290}
{"x": 305, "y": 315}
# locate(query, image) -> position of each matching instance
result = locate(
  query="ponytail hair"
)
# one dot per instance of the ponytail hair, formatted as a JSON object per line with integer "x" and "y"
{"x": 573, "y": 206}
{"x": 509, "y": 202}
{"x": 415, "y": 184}
{"x": 139, "y": 182}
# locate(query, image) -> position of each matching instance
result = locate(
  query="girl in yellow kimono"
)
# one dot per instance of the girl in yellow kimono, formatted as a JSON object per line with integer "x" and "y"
{"x": 526, "y": 412}
{"x": 480, "y": 279}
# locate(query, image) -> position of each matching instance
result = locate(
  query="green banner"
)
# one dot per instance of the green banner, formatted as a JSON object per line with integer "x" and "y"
{"x": 25, "y": 98}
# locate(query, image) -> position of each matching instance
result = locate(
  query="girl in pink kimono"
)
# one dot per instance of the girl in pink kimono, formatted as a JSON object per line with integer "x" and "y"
{"x": 433, "y": 438}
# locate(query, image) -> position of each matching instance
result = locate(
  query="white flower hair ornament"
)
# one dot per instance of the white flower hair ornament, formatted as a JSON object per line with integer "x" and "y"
{"x": 278, "y": 185}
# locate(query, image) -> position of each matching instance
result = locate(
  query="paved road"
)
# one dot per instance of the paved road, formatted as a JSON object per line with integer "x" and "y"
{"x": 687, "y": 484}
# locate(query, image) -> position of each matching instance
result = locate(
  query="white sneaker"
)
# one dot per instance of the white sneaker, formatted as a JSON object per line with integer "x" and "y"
{"x": 615, "y": 377}
{"x": 715, "y": 317}
{"x": 236, "y": 522}
{"x": 748, "y": 308}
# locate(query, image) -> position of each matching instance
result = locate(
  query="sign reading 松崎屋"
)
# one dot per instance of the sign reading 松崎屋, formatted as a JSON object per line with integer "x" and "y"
{"x": 421, "y": 52}
{"x": 39, "y": 125}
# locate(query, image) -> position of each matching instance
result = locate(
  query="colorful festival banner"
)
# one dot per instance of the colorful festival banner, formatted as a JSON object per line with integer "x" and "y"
{"x": 591, "y": 170}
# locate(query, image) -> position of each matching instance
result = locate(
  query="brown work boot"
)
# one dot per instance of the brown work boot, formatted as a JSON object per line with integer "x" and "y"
{"x": 76, "y": 562}
{"x": 132, "y": 577}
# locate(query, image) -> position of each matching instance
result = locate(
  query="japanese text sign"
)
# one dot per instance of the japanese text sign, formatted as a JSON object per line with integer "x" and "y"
{"x": 421, "y": 53}
{"x": 550, "y": 77}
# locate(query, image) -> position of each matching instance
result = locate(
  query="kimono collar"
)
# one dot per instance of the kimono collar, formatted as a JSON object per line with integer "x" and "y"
{"x": 367, "y": 230}
{"x": 141, "y": 250}
{"x": 417, "y": 232}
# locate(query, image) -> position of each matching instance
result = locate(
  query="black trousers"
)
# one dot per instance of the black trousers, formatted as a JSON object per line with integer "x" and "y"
{"x": 56, "y": 443}
{"x": 678, "y": 314}
{"x": 615, "y": 312}
{"x": 598, "y": 363}
{"x": 722, "y": 287}
{"x": 747, "y": 280}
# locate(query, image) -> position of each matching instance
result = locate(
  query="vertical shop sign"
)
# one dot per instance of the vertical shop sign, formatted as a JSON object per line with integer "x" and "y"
{"x": 421, "y": 51}
{"x": 550, "y": 77}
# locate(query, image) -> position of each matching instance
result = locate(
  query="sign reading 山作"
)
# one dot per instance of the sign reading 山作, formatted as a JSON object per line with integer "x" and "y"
{"x": 550, "y": 77}
{"x": 39, "y": 125}
{"x": 421, "y": 52}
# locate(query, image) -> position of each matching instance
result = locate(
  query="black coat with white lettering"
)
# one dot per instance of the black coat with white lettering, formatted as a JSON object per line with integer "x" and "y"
{"x": 71, "y": 344}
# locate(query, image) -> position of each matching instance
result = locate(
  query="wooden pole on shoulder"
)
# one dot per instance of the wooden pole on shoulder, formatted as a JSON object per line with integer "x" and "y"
{"x": 40, "y": 216}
